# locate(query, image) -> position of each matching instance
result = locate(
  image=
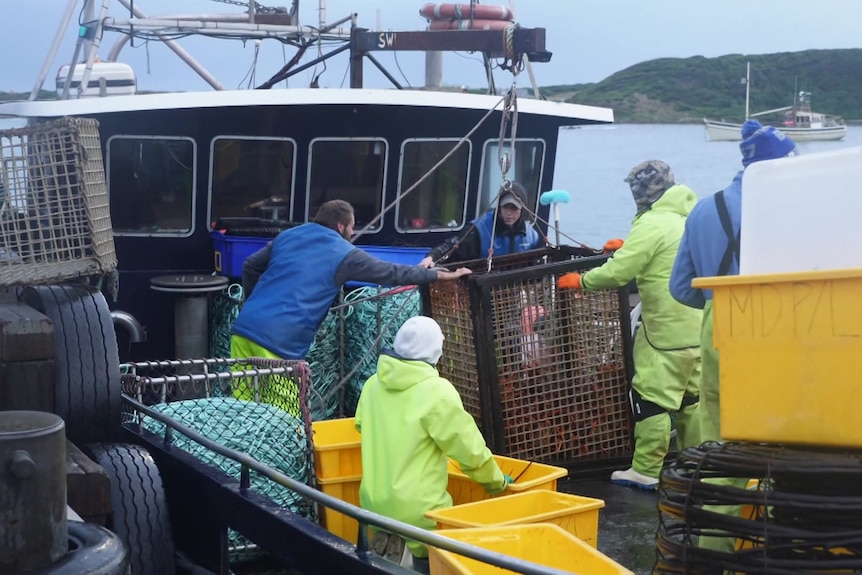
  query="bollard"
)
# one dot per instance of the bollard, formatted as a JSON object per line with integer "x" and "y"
{"x": 33, "y": 529}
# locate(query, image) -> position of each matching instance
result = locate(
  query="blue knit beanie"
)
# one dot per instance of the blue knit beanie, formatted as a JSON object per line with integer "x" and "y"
{"x": 763, "y": 143}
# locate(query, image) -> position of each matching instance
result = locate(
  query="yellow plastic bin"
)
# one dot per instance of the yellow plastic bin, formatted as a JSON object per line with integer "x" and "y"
{"x": 347, "y": 490}
{"x": 541, "y": 543}
{"x": 530, "y": 476}
{"x": 750, "y": 512}
{"x": 337, "y": 448}
{"x": 575, "y": 514}
{"x": 791, "y": 345}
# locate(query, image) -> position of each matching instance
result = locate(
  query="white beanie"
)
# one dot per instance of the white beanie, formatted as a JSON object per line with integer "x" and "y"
{"x": 420, "y": 338}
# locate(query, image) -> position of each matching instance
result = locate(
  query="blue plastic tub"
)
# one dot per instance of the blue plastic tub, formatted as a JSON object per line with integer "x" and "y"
{"x": 231, "y": 251}
{"x": 408, "y": 256}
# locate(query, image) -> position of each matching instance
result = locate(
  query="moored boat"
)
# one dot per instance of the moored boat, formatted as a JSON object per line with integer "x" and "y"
{"x": 797, "y": 121}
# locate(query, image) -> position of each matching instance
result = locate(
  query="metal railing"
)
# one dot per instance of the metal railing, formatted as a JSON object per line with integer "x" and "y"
{"x": 364, "y": 517}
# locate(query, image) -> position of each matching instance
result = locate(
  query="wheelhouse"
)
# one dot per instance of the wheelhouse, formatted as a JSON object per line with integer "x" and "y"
{"x": 177, "y": 163}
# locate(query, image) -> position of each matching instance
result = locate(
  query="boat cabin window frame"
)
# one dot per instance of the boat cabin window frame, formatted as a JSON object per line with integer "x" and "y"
{"x": 382, "y": 197}
{"x": 211, "y": 175}
{"x": 400, "y": 188}
{"x": 480, "y": 207}
{"x": 194, "y": 184}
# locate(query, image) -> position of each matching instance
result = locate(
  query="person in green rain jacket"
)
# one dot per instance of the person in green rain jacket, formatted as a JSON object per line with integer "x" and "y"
{"x": 411, "y": 420}
{"x": 667, "y": 344}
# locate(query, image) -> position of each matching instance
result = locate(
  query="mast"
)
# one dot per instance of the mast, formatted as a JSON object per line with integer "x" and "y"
{"x": 747, "y": 85}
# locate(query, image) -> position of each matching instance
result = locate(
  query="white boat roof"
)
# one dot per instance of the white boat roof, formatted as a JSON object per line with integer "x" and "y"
{"x": 567, "y": 113}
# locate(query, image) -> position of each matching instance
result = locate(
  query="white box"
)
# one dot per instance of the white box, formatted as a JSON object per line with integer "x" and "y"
{"x": 106, "y": 79}
{"x": 802, "y": 213}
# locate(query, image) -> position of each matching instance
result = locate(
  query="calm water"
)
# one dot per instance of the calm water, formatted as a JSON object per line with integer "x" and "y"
{"x": 592, "y": 162}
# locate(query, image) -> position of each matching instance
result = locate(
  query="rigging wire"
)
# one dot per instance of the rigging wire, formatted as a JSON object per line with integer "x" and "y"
{"x": 397, "y": 65}
{"x": 427, "y": 174}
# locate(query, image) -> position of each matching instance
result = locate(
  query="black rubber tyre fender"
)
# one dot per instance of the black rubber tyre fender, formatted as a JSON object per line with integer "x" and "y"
{"x": 139, "y": 510}
{"x": 87, "y": 384}
{"x": 92, "y": 550}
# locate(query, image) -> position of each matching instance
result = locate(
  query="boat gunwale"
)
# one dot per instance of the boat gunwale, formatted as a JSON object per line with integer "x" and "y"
{"x": 565, "y": 112}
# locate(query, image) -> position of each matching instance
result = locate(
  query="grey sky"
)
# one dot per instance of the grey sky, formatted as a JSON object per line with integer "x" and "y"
{"x": 590, "y": 39}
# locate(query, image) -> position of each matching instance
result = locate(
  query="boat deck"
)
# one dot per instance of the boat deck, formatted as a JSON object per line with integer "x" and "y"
{"x": 627, "y": 524}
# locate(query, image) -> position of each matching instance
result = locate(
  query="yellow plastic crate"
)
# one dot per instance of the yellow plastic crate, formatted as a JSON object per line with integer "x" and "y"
{"x": 535, "y": 476}
{"x": 575, "y": 514}
{"x": 541, "y": 543}
{"x": 337, "y": 448}
{"x": 347, "y": 490}
{"x": 791, "y": 345}
{"x": 750, "y": 512}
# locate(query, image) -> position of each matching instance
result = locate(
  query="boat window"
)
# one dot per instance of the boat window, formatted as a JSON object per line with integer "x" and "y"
{"x": 439, "y": 202}
{"x": 352, "y": 170}
{"x": 251, "y": 177}
{"x": 151, "y": 185}
{"x": 526, "y": 169}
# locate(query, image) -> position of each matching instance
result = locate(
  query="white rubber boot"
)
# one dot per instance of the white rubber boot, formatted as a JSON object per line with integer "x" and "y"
{"x": 634, "y": 479}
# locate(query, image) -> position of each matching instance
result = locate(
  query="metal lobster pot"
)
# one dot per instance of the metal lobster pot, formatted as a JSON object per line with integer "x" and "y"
{"x": 33, "y": 529}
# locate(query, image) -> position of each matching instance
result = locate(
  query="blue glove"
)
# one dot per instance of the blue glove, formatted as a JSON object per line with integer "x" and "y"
{"x": 507, "y": 480}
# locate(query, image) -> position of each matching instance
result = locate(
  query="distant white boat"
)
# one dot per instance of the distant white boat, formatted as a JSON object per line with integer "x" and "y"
{"x": 797, "y": 121}
{"x": 816, "y": 131}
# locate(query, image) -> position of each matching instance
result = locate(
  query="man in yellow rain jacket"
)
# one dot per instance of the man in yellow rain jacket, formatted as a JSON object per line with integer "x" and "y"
{"x": 411, "y": 420}
{"x": 667, "y": 345}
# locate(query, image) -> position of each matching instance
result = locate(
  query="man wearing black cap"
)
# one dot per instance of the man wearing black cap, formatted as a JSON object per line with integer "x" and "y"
{"x": 512, "y": 233}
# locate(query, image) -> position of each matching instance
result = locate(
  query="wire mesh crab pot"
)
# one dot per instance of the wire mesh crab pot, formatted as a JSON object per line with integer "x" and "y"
{"x": 545, "y": 372}
{"x": 55, "y": 222}
{"x": 255, "y": 406}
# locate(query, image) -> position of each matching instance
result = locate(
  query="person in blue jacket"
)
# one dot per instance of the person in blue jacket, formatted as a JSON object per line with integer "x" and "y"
{"x": 513, "y": 232}
{"x": 710, "y": 247}
{"x": 291, "y": 283}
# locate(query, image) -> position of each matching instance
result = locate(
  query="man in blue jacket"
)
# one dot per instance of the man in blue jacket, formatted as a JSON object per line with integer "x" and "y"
{"x": 292, "y": 282}
{"x": 710, "y": 247}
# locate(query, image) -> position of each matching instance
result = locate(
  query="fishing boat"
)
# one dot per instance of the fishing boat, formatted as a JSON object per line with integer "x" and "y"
{"x": 176, "y": 163}
{"x": 797, "y": 121}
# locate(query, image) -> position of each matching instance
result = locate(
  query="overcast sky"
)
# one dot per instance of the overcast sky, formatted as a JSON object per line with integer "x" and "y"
{"x": 590, "y": 39}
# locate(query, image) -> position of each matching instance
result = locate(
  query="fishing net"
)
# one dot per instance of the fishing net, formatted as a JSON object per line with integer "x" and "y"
{"x": 254, "y": 406}
{"x": 345, "y": 349}
{"x": 371, "y": 327}
{"x": 325, "y": 359}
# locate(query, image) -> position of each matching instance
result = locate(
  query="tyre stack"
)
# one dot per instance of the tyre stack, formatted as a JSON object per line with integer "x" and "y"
{"x": 757, "y": 508}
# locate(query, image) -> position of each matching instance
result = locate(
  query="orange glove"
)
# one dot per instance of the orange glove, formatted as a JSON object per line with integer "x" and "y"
{"x": 613, "y": 245}
{"x": 570, "y": 281}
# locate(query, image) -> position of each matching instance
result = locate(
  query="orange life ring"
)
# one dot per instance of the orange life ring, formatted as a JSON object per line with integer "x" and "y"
{"x": 463, "y": 12}
{"x": 468, "y": 25}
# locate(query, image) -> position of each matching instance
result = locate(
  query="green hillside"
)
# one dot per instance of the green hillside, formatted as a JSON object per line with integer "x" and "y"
{"x": 671, "y": 90}
{"x": 688, "y": 89}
